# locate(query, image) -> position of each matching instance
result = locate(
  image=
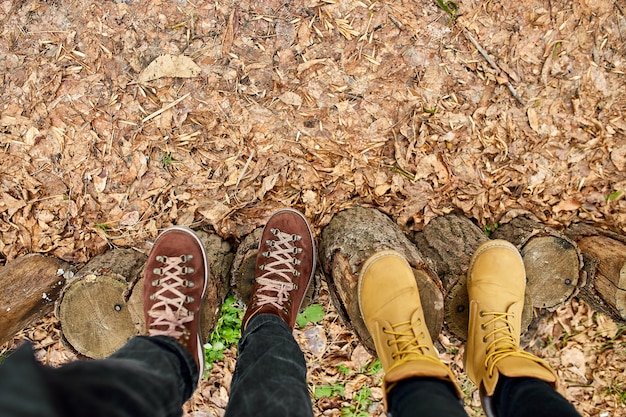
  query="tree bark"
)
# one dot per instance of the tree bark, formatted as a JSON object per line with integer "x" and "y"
{"x": 351, "y": 237}
{"x": 29, "y": 286}
{"x": 605, "y": 265}
{"x": 552, "y": 260}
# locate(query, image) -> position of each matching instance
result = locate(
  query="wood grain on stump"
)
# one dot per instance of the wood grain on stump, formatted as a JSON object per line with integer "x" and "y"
{"x": 351, "y": 237}
{"x": 95, "y": 318}
{"x": 29, "y": 286}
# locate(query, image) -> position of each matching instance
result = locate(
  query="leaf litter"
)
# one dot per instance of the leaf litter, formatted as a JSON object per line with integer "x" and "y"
{"x": 321, "y": 105}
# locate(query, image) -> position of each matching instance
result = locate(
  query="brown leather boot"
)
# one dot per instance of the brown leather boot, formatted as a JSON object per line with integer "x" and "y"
{"x": 175, "y": 281}
{"x": 496, "y": 281}
{"x": 391, "y": 307}
{"x": 284, "y": 267}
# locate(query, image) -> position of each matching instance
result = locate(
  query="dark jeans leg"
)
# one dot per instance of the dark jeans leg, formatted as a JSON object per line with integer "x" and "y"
{"x": 149, "y": 376}
{"x": 529, "y": 397}
{"x": 270, "y": 376}
{"x": 425, "y": 397}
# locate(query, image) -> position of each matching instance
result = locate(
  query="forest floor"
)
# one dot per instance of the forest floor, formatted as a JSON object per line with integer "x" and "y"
{"x": 118, "y": 119}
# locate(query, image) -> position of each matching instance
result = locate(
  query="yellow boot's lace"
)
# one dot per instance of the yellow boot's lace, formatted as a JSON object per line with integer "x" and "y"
{"x": 502, "y": 344}
{"x": 408, "y": 343}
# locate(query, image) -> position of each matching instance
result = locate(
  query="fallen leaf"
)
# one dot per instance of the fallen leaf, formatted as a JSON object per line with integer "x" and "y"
{"x": 178, "y": 66}
{"x": 291, "y": 98}
{"x": 316, "y": 340}
{"x": 533, "y": 119}
{"x": 567, "y": 205}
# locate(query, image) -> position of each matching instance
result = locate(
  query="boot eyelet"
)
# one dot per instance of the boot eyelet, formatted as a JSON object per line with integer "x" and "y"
{"x": 481, "y": 314}
{"x": 484, "y": 340}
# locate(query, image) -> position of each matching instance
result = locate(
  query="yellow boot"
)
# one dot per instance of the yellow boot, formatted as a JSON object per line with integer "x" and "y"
{"x": 392, "y": 311}
{"x": 496, "y": 281}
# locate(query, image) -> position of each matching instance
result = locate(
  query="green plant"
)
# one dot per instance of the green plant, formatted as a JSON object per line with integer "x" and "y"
{"x": 618, "y": 390}
{"x": 166, "y": 159}
{"x": 329, "y": 390}
{"x": 373, "y": 367}
{"x": 227, "y": 332}
{"x": 312, "y": 314}
{"x": 102, "y": 226}
{"x": 614, "y": 196}
{"x": 343, "y": 369}
{"x": 360, "y": 404}
{"x": 490, "y": 229}
{"x": 449, "y": 7}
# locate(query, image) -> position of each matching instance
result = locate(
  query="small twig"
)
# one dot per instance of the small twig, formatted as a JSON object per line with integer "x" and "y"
{"x": 491, "y": 62}
{"x": 167, "y": 107}
{"x": 245, "y": 168}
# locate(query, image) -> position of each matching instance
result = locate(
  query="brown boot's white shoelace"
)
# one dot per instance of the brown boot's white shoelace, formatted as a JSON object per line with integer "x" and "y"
{"x": 169, "y": 311}
{"x": 282, "y": 264}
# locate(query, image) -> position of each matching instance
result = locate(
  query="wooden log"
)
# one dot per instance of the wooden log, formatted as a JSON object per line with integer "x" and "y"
{"x": 29, "y": 286}
{"x": 95, "y": 319}
{"x": 449, "y": 242}
{"x": 243, "y": 269}
{"x": 605, "y": 264}
{"x": 350, "y": 238}
{"x": 552, "y": 260}
{"x": 102, "y": 307}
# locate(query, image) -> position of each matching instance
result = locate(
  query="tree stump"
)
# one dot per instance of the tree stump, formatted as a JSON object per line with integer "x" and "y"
{"x": 102, "y": 307}
{"x": 95, "y": 318}
{"x": 243, "y": 269}
{"x": 449, "y": 242}
{"x": 29, "y": 286}
{"x": 552, "y": 260}
{"x": 604, "y": 253}
{"x": 351, "y": 237}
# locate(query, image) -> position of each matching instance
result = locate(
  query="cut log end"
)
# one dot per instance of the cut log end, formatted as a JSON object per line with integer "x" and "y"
{"x": 94, "y": 317}
{"x": 552, "y": 270}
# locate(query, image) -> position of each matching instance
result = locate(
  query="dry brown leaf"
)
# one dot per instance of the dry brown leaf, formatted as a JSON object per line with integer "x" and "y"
{"x": 178, "y": 66}
{"x": 291, "y": 98}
